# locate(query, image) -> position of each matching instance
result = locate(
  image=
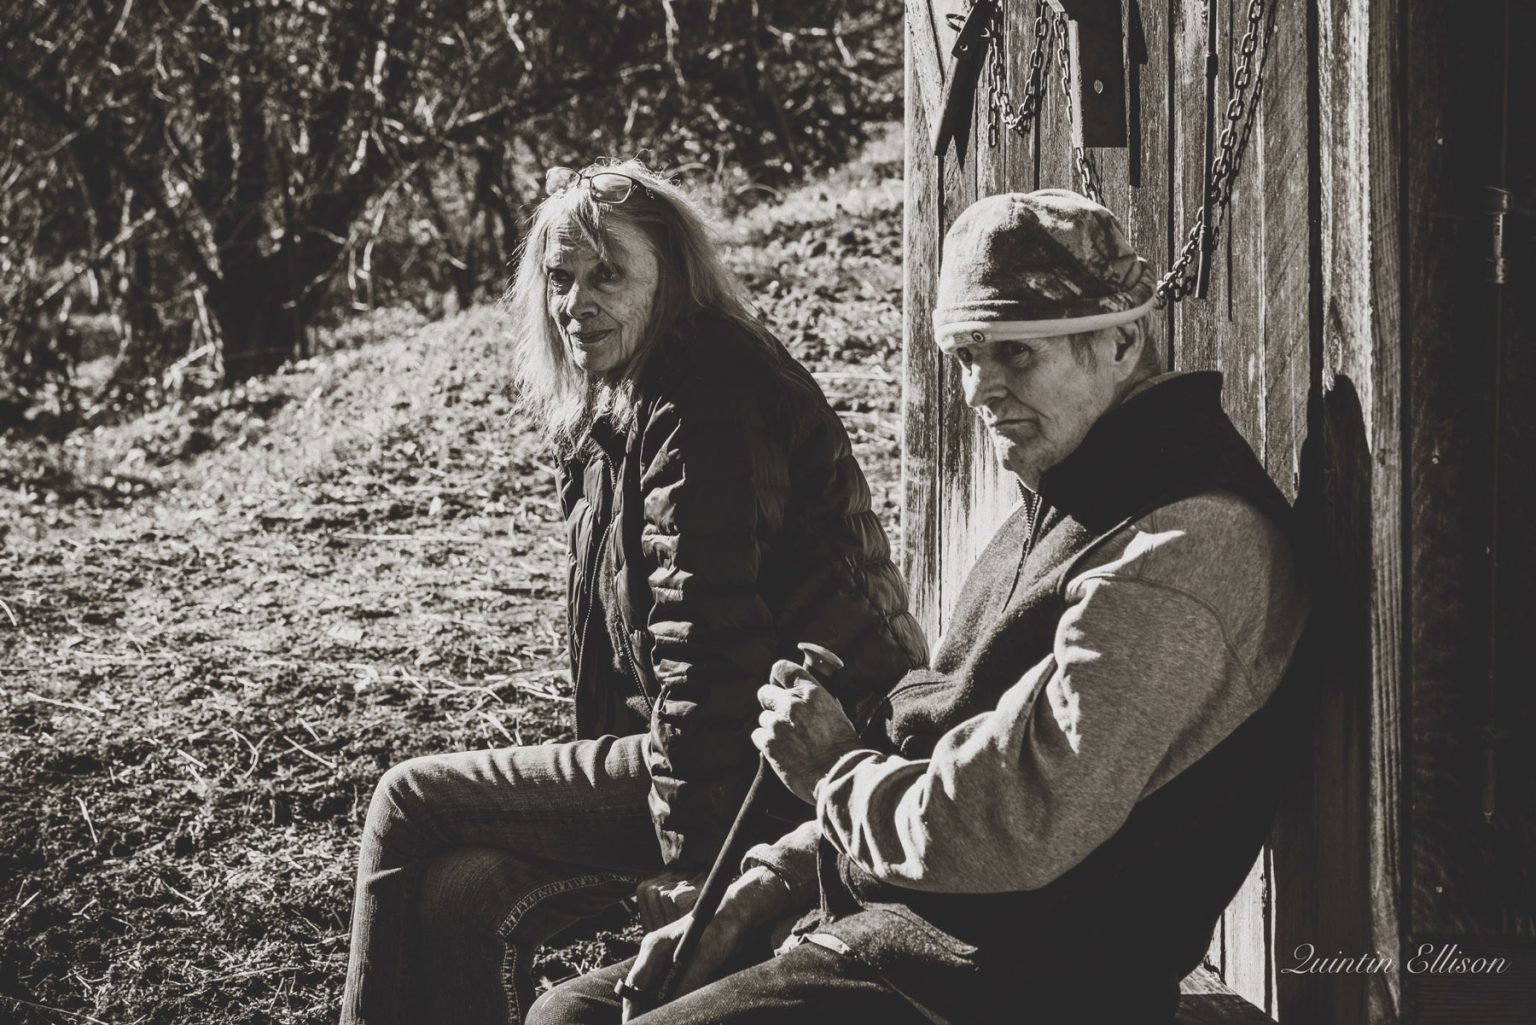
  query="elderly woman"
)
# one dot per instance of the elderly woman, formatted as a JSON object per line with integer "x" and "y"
{"x": 716, "y": 517}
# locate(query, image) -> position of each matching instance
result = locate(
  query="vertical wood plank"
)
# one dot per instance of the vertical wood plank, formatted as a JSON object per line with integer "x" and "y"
{"x": 1145, "y": 209}
{"x": 1114, "y": 168}
{"x": 959, "y": 465}
{"x": 1278, "y": 161}
{"x": 1055, "y": 127}
{"x": 1468, "y": 403}
{"x": 1277, "y": 164}
{"x": 921, "y": 377}
{"x": 1386, "y": 75}
{"x": 980, "y": 491}
{"x": 1334, "y": 876}
{"x": 1236, "y": 308}
{"x": 1245, "y": 926}
{"x": 1238, "y": 289}
{"x": 1194, "y": 322}
{"x": 1362, "y": 343}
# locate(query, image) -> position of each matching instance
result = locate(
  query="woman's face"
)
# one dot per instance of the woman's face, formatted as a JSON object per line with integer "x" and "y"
{"x": 601, "y": 306}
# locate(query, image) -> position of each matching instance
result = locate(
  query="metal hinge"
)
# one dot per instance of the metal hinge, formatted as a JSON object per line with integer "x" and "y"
{"x": 1499, "y": 209}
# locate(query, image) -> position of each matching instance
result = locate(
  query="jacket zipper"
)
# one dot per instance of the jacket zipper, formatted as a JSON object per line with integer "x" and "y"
{"x": 1035, "y": 502}
{"x": 627, "y": 656}
{"x": 589, "y": 586}
{"x": 634, "y": 674}
{"x": 589, "y": 589}
{"x": 594, "y": 566}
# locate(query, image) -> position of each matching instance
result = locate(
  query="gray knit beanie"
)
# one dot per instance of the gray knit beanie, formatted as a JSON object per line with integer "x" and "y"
{"x": 1038, "y": 264}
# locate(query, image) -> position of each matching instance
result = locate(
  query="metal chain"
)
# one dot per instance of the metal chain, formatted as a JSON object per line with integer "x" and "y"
{"x": 1180, "y": 279}
{"x": 1034, "y": 88}
{"x": 1002, "y": 113}
{"x": 999, "y": 103}
{"x": 1087, "y": 173}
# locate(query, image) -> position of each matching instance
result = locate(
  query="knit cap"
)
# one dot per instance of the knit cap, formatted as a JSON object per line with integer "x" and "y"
{"x": 1038, "y": 264}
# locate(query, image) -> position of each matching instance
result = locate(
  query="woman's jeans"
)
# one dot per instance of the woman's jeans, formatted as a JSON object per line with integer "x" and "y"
{"x": 469, "y": 861}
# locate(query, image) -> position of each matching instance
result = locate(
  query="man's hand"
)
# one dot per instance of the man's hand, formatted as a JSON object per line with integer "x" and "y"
{"x": 667, "y": 897}
{"x": 752, "y": 901}
{"x": 802, "y": 730}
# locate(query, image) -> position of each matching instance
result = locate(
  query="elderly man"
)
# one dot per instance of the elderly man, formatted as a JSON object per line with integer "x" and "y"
{"x": 1047, "y": 823}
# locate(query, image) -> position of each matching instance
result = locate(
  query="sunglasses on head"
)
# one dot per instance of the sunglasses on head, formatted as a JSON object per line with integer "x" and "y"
{"x": 605, "y": 186}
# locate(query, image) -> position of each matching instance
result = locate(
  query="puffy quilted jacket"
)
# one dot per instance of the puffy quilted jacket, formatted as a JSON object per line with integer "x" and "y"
{"x": 727, "y": 523}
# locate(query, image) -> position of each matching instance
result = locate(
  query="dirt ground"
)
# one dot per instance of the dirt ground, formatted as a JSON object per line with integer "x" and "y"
{"x": 220, "y": 622}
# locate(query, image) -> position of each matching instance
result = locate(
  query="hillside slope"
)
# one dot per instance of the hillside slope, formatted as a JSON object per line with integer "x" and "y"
{"x": 219, "y": 623}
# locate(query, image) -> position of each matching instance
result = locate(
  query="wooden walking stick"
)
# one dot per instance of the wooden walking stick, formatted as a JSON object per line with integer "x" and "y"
{"x": 820, "y": 663}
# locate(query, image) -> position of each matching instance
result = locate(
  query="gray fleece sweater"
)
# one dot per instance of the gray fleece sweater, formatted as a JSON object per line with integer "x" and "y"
{"x": 1177, "y": 629}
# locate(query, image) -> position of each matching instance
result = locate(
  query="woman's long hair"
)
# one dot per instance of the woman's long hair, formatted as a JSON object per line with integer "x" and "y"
{"x": 559, "y": 398}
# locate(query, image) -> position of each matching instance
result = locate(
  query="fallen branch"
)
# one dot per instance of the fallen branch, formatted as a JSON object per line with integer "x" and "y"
{"x": 427, "y": 539}
{"x": 255, "y": 751}
{"x": 301, "y": 749}
{"x": 6, "y": 998}
{"x": 89, "y": 824}
{"x": 63, "y": 704}
{"x": 495, "y": 682}
{"x": 496, "y": 723}
{"x": 195, "y": 905}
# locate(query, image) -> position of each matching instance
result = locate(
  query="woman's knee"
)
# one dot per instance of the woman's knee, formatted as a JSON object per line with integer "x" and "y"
{"x": 467, "y": 891}
{"x": 403, "y": 797}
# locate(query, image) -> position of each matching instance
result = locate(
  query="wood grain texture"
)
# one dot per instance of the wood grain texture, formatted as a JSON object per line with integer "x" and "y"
{"x": 927, "y": 65}
{"x": 1279, "y": 166}
{"x": 977, "y": 491}
{"x": 1514, "y": 706}
{"x": 1236, "y": 308}
{"x": 1205, "y": 1000}
{"x": 1320, "y": 845}
{"x": 1386, "y": 76}
{"x": 921, "y": 376}
{"x": 1361, "y": 346}
{"x": 1146, "y": 206}
{"x": 1507, "y": 997}
{"x": 1470, "y": 394}
{"x": 1194, "y": 322}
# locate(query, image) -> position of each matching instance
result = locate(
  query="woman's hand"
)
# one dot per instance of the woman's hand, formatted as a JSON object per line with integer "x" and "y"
{"x": 667, "y": 897}
{"x": 753, "y": 901}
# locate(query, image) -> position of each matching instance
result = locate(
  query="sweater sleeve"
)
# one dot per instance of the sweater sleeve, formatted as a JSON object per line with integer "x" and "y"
{"x": 792, "y": 858}
{"x": 1144, "y": 677}
{"x": 715, "y": 482}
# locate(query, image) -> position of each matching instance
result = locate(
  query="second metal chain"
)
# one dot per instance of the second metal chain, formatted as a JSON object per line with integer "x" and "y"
{"x": 1180, "y": 279}
{"x": 1087, "y": 173}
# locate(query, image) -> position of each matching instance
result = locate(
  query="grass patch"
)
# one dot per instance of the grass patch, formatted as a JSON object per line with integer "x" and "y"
{"x": 220, "y": 621}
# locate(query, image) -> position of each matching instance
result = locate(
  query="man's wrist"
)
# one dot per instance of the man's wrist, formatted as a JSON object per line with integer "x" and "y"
{"x": 838, "y": 767}
{"x": 756, "y": 898}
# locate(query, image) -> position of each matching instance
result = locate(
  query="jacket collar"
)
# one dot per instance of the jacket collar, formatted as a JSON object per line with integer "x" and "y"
{"x": 609, "y": 437}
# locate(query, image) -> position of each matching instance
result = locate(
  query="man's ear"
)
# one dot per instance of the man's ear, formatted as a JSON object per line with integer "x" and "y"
{"x": 1130, "y": 334}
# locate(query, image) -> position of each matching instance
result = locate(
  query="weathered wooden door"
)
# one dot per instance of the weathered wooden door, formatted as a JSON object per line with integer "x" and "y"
{"x": 1372, "y": 312}
{"x": 1285, "y": 256}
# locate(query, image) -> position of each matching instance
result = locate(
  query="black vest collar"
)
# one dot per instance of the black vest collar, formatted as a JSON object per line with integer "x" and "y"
{"x": 1139, "y": 453}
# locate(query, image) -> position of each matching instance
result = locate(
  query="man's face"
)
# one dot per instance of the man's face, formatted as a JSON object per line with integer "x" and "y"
{"x": 1035, "y": 396}
{"x": 601, "y": 306}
